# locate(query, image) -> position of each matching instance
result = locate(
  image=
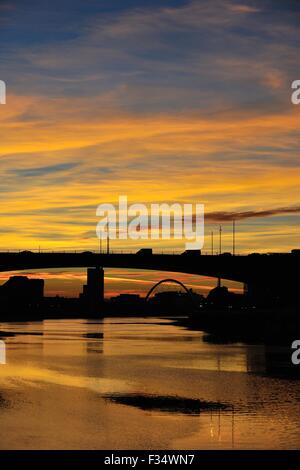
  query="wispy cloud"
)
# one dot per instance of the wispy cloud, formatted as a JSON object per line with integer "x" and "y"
{"x": 43, "y": 170}
{"x": 230, "y": 216}
{"x": 188, "y": 102}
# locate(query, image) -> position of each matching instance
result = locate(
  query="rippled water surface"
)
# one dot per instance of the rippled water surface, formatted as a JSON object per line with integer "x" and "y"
{"x": 127, "y": 383}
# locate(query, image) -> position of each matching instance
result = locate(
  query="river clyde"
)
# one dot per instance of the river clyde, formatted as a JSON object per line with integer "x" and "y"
{"x": 141, "y": 383}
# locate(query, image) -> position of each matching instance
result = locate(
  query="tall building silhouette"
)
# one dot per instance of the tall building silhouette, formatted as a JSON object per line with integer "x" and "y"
{"x": 93, "y": 291}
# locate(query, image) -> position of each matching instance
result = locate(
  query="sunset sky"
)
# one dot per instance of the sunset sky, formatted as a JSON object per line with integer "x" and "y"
{"x": 163, "y": 101}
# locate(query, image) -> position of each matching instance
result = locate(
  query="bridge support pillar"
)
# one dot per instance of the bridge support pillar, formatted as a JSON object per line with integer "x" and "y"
{"x": 259, "y": 293}
{"x": 272, "y": 292}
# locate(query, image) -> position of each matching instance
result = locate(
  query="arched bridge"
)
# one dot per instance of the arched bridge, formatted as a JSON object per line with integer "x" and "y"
{"x": 265, "y": 269}
{"x": 167, "y": 281}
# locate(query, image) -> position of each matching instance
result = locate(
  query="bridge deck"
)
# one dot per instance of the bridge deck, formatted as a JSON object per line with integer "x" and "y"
{"x": 235, "y": 268}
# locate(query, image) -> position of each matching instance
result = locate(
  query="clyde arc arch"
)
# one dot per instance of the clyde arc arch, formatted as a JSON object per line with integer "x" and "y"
{"x": 167, "y": 281}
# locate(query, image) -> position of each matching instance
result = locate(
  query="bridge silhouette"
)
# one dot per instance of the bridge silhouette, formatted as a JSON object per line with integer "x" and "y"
{"x": 167, "y": 281}
{"x": 267, "y": 272}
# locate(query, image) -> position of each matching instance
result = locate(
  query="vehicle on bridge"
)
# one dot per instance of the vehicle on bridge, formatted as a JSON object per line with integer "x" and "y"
{"x": 191, "y": 253}
{"x": 145, "y": 251}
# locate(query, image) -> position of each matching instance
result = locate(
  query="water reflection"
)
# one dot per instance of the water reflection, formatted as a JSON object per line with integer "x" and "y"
{"x": 269, "y": 359}
{"x": 136, "y": 383}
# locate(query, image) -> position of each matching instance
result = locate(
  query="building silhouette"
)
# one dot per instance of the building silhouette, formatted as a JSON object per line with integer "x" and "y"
{"x": 93, "y": 291}
{"x": 129, "y": 304}
{"x": 221, "y": 297}
{"x": 20, "y": 294}
{"x": 174, "y": 302}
